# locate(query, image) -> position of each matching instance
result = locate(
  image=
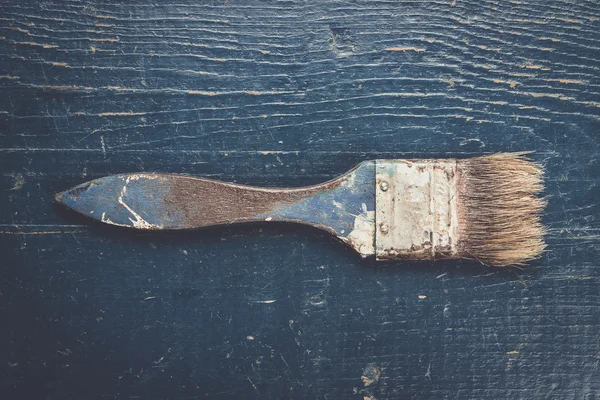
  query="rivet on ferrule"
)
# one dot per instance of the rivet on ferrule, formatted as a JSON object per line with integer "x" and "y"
{"x": 384, "y": 186}
{"x": 384, "y": 228}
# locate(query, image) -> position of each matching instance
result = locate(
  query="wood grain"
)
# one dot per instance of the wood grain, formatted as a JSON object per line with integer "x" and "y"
{"x": 291, "y": 93}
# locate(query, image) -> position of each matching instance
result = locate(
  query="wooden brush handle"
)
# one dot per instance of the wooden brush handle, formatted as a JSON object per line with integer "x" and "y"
{"x": 167, "y": 201}
{"x": 188, "y": 202}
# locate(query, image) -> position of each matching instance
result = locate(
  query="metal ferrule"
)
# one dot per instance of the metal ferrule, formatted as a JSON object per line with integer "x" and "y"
{"x": 416, "y": 211}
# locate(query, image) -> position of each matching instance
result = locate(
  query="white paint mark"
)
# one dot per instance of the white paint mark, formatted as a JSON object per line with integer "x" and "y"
{"x": 362, "y": 237}
{"x": 136, "y": 177}
{"x": 250, "y": 337}
{"x": 337, "y": 204}
{"x": 108, "y": 221}
{"x": 139, "y": 222}
{"x": 421, "y": 296}
{"x": 268, "y": 218}
{"x": 364, "y": 207}
{"x": 103, "y": 145}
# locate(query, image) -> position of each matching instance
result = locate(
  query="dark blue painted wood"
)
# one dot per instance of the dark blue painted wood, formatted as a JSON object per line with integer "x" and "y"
{"x": 290, "y": 94}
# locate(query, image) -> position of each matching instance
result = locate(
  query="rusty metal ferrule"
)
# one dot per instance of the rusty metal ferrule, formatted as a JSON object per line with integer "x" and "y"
{"x": 416, "y": 209}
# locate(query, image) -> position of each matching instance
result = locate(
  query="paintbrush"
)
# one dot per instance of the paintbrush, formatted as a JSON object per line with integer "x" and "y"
{"x": 484, "y": 208}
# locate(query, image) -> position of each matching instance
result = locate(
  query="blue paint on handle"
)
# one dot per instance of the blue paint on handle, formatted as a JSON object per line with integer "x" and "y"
{"x": 136, "y": 201}
{"x": 335, "y": 209}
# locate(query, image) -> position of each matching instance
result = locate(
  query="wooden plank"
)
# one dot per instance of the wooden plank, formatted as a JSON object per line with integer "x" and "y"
{"x": 289, "y": 94}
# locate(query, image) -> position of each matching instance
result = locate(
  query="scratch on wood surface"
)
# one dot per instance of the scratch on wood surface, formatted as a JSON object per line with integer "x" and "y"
{"x": 514, "y": 356}
{"x": 568, "y": 81}
{"x": 534, "y": 66}
{"x": 103, "y": 40}
{"x": 121, "y": 114}
{"x": 550, "y": 39}
{"x": 102, "y": 144}
{"x": 512, "y": 84}
{"x": 17, "y": 29}
{"x": 404, "y": 49}
{"x": 19, "y": 181}
{"x": 42, "y": 232}
{"x": 62, "y": 87}
{"x": 44, "y": 46}
{"x": 254, "y": 386}
{"x": 202, "y": 92}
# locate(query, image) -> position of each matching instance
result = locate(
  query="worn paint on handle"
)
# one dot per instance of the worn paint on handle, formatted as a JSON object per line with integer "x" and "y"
{"x": 344, "y": 206}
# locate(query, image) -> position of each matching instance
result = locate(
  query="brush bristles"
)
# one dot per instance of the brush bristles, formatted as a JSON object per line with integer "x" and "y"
{"x": 499, "y": 209}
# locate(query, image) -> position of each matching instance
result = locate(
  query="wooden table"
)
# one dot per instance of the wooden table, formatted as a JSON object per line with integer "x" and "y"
{"x": 291, "y": 93}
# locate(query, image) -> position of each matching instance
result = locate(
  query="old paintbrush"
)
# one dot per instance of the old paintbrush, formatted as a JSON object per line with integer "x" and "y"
{"x": 484, "y": 208}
